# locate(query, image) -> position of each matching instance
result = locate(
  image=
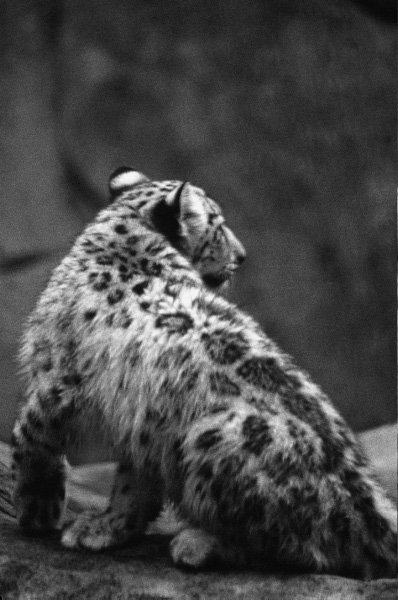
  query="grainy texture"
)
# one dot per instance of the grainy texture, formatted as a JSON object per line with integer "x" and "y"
{"x": 294, "y": 135}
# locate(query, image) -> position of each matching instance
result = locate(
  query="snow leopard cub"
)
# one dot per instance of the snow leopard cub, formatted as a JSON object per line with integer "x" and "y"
{"x": 202, "y": 407}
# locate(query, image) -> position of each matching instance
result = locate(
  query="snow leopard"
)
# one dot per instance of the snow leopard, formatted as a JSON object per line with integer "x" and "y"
{"x": 203, "y": 408}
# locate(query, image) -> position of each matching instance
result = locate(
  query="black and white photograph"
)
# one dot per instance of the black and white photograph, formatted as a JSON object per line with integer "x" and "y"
{"x": 198, "y": 300}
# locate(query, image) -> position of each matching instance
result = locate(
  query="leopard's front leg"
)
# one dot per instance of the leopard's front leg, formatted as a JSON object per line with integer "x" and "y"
{"x": 135, "y": 500}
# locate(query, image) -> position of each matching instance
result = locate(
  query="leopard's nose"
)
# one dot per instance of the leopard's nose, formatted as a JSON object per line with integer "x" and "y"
{"x": 240, "y": 256}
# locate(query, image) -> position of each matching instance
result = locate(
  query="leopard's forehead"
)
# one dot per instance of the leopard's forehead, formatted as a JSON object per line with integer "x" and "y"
{"x": 152, "y": 189}
{"x": 158, "y": 190}
{"x": 165, "y": 186}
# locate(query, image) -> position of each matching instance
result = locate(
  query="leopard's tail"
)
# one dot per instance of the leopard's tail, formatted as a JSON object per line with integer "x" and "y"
{"x": 377, "y": 518}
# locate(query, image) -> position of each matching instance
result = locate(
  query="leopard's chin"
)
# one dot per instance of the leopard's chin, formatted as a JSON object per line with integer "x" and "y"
{"x": 217, "y": 281}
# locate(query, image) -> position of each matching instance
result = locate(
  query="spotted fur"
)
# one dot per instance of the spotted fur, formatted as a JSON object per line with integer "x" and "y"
{"x": 202, "y": 407}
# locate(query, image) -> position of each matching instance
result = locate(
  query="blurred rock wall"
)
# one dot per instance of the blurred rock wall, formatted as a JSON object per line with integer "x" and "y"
{"x": 282, "y": 111}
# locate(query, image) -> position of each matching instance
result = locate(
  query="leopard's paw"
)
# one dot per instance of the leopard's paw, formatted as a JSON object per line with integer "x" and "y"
{"x": 39, "y": 506}
{"x": 194, "y": 548}
{"x": 95, "y": 531}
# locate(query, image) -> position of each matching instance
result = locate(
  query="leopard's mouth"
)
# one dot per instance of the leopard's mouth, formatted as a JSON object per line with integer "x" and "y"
{"x": 215, "y": 280}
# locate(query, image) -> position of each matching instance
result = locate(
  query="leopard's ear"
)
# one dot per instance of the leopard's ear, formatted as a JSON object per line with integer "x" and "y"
{"x": 124, "y": 178}
{"x": 180, "y": 216}
{"x": 187, "y": 204}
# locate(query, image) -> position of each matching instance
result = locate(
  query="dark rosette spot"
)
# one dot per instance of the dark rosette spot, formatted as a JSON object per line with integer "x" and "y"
{"x": 120, "y": 257}
{"x": 83, "y": 266}
{"x": 122, "y": 229}
{"x": 115, "y": 296}
{"x": 155, "y": 269}
{"x": 126, "y": 322}
{"x": 139, "y": 204}
{"x": 217, "y": 409}
{"x": 92, "y": 276}
{"x": 208, "y": 438}
{"x": 225, "y": 347}
{"x": 150, "y": 267}
{"x": 93, "y": 250}
{"x": 139, "y": 288}
{"x": 132, "y": 239}
{"x": 72, "y": 379}
{"x": 256, "y": 433}
{"x": 87, "y": 243}
{"x": 221, "y": 384}
{"x": 101, "y": 281}
{"x": 265, "y": 373}
{"x": 89, "y": 315}
{"x": 104, "y": 260}
{"x": 177, "y": 322}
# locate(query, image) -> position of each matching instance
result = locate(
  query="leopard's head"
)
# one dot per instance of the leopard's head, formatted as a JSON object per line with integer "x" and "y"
{"x": 191, "y": 221}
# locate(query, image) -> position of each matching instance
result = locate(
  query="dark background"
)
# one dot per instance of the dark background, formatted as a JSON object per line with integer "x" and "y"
{"x": 282, "y": 110}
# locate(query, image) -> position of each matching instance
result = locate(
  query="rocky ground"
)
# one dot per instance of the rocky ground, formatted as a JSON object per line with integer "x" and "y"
{"x": 284, "y": 111}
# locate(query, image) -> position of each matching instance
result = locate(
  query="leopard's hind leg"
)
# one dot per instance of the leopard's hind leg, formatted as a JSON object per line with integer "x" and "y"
{"x": 211, "y": 488}
{"x": 256, "y": 494}
{"x": 238, "y": 515}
